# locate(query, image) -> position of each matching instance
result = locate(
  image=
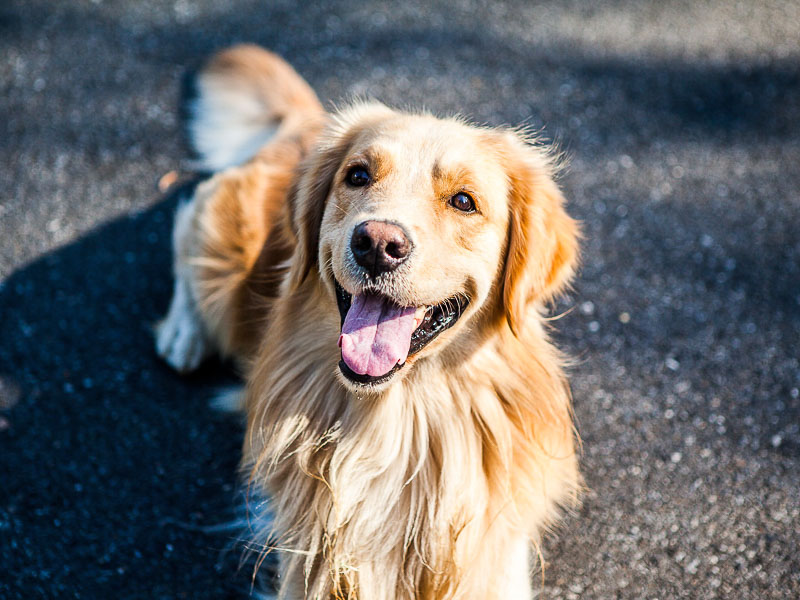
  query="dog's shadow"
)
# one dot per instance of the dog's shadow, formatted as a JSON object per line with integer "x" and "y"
{"x": 113, "y": 469}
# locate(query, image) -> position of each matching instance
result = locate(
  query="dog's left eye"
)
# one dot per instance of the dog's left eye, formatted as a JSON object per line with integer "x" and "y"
{"x": 463, "y": 202}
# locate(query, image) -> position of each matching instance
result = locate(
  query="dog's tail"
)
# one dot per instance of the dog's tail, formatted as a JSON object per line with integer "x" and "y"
{"x": 239, "y": 100}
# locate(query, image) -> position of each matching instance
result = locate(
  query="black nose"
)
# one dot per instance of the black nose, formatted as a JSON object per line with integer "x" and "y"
{"x": 379, "y": 246}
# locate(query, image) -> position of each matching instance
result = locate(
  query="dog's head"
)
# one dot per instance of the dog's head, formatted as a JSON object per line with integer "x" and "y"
{"x": 422, "y": 227}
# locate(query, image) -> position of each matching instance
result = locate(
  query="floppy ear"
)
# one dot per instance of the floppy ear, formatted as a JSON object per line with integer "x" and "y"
{"x": 542, "y": 249}
{"x": 306, "y": 202}
{"x": 312, "y": 186}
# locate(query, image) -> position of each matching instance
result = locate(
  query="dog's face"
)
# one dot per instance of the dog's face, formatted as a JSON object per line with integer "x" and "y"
{"x": 418, "y": 225}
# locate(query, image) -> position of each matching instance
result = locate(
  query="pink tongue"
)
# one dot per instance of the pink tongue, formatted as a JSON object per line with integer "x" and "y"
{"x": 376, "y": 335}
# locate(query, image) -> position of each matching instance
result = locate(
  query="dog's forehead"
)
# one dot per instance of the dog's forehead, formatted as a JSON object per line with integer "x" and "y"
{"x": 431, "y": 147}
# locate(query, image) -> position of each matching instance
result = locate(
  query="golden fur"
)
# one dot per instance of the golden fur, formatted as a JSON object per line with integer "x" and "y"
{"x": 434, "y": 484}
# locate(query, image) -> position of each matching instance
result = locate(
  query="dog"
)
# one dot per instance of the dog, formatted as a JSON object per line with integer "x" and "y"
{"x": 382, "y": 280}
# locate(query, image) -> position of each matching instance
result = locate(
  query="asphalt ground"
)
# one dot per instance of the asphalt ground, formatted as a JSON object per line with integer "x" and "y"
{"x": 681, "y": 121}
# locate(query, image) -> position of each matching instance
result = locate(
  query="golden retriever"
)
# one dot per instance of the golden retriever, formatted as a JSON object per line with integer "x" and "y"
{"x": 381, "y": 277}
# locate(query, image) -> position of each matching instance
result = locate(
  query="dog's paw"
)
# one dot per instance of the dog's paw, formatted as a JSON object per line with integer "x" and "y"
{"x": 181, "y": 339}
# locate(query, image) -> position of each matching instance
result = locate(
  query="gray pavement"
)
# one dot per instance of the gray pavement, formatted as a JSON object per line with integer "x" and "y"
{"x": 681, "y": 121}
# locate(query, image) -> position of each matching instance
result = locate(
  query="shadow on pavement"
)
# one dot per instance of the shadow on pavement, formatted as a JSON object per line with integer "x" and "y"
{"x": 109, "y": 458}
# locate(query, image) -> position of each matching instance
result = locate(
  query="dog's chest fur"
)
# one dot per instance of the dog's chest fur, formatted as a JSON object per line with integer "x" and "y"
{"x": 402, "y": 490}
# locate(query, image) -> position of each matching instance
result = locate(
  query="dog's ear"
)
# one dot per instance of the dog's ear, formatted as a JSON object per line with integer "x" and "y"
{"x": 542, "y": 251}
{"x": 312, "y": 186}
{"x": 306, "y": 202}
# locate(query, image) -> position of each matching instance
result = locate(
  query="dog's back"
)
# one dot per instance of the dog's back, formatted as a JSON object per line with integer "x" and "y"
{"x": 252, "y": 119}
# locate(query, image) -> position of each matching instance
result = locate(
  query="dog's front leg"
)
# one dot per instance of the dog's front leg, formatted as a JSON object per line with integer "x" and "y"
{"x": 181, "y": 339}
{"x": 515, "y": 581}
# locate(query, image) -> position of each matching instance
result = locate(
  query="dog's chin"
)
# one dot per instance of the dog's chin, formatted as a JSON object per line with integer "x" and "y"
{"x": 430, "y": 322}
{"x": 366, "y": 384}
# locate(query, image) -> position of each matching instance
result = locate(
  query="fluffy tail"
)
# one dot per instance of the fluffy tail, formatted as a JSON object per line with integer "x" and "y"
{"x": 243, "y": 97}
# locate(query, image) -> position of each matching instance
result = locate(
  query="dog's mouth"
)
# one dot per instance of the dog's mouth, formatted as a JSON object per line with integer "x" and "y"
{"x": 378, "y": 335}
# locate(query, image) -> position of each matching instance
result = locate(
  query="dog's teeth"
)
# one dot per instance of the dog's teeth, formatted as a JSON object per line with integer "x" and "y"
{"x": 419, "y": 315}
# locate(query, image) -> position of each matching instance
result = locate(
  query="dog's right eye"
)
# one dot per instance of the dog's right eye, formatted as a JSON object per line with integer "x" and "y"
{"x": 358, "y": 177}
